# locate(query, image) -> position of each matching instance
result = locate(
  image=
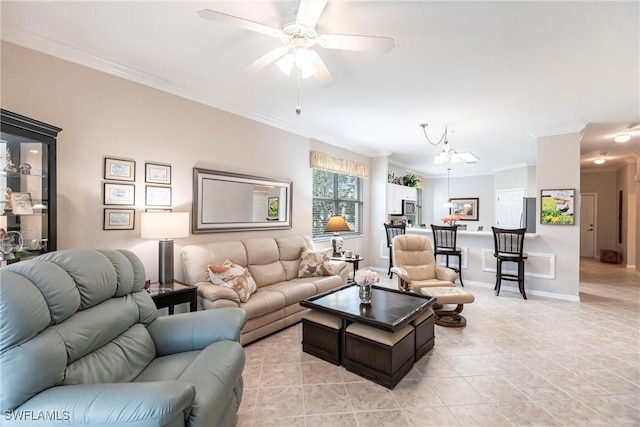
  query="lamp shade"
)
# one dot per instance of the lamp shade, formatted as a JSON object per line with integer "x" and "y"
{"x": 164, "y": 225}
{"x": 336, "y": 224}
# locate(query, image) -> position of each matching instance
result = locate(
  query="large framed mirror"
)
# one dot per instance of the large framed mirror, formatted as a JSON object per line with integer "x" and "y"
{"x": 225, "y": 201}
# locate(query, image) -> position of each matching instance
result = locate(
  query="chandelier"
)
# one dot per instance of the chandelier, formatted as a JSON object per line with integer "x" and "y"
{"x": 448, "y": 154}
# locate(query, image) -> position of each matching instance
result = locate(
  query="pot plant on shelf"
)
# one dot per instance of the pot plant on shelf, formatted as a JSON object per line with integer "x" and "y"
{"x": 410, "y": 180}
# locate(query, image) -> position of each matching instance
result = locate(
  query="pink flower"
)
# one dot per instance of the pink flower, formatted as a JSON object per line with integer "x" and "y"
{"x": 451, "y": 219}
{"x": 366, "y": 277}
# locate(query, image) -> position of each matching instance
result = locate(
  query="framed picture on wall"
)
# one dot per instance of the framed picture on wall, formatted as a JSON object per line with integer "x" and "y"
{"x": 467, "y": 208}
{"x": 119, "y": 219}
{"x": 119, "y": 194}
{"x": 273, "y": 207}
{"x": 157, "y": 173}
{"x": 119, "y": 169}
{"x": 556, "y": 206}
{"x": 158, "y": 196}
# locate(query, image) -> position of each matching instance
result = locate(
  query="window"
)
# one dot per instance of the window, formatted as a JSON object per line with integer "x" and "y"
{"x": 334, "y": 193}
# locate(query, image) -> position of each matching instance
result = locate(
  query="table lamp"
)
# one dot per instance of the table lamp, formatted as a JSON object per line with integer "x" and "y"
{"x": 335, "y": 225}
{"x": 165, "y": 226}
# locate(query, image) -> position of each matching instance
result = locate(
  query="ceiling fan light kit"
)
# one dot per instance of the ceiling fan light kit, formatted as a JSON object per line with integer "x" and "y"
{"x": 298, "y": 37}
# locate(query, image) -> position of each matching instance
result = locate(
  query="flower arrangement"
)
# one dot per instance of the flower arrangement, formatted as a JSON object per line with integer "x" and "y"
{"x": 451, "y": 219}
{"x": 366, "y": 277}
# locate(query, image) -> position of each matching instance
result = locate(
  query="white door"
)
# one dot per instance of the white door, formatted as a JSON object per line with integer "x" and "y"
{"x": 260, "y": 206}
{"x": 509, "y": 204}
{"x": 588, "y": 224}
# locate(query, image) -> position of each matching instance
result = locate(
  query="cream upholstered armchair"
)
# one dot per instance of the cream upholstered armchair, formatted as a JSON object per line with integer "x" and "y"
{"x": 415, "y": 264}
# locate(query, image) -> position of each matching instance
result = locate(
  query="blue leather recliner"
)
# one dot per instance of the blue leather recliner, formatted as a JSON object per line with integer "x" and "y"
{"x": 81, "y": 344}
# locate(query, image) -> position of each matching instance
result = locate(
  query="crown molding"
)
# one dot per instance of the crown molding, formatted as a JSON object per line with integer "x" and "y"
{"x": 570, "y": 128}
{"x": 510, "y": 167}
{"x": 49, "y": 47}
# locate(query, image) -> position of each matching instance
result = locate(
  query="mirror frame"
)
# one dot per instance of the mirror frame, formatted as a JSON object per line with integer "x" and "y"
{"x": 198, "y": 226}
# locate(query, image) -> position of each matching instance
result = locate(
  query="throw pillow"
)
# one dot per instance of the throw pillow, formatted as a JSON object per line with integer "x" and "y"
{"x": 315, "y": 263}
{"x": 233, "y": 276}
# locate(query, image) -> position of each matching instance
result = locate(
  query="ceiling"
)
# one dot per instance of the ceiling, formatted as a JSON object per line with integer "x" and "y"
{"x": 498, "y": 74}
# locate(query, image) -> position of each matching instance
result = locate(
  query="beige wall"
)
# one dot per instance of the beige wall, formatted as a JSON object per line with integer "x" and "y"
{"x": 105, "y": 115}
{"x": 604, "y": 185}
{"x": 558, "y": 166}
{"x": 637, "y": 236}
{"x": 625, "y": 178}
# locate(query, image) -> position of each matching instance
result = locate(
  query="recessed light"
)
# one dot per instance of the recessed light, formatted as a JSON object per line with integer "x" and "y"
{"x": 599, "y": 161}
{"x": 622, "y": 138}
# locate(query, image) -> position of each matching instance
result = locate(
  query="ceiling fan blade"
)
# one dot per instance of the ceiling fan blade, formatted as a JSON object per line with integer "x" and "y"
{"x": 239, "y": 22}
{"x": 309, "y": 12}
{"x": 359, "y": 43}
{"x": 322, "y": 74}
{"x": 266, "y": 59}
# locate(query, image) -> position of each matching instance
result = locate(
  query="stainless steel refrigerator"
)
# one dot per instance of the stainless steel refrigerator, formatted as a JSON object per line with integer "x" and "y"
{"x": 529, "y": 218}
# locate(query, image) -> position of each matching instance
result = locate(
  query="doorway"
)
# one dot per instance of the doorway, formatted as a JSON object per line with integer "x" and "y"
{"x": 588, "y": 225}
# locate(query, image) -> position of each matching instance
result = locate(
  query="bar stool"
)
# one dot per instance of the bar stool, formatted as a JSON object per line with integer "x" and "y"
{"x": 392, "y": 231}
{"x": 508, "y": 247}
{"x": 444, "y": 243}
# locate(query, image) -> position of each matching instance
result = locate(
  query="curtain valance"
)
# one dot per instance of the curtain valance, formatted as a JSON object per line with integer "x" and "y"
{"x": 322, "y": 161}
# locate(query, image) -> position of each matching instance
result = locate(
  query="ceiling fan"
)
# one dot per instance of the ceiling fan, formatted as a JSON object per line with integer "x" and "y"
{"x": 298, "y": 37}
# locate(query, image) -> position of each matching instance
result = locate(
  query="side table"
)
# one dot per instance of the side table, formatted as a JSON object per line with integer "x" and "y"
{"x": 173, "y": 294}
{"x": 355, "y": 260}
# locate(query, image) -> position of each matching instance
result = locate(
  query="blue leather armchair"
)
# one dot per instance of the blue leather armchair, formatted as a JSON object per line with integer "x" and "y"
{"x": 81, "y": 344}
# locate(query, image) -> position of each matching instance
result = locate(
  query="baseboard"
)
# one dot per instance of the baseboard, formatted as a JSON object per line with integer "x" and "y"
{"x": 515, "y": 290}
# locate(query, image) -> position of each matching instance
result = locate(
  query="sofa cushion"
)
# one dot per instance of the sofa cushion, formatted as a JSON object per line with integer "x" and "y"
{"x": 235, "y": 277}
{"x": 195, "y": 258}
{"x": 324, "y": 284}
{"x": 315, "y": 264}
{"x": 167, "y": 367}
{"x": 214, "y": 373}
{"x": 263, "y": 302}
{"x": 263, "y": 259}
{"x": 290, "y": 248}
{"x": 294, "y": 290}
{"x": 87, "y": 325}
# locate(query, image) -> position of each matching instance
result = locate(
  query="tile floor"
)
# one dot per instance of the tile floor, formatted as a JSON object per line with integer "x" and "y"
{"x": 540, "y": 362}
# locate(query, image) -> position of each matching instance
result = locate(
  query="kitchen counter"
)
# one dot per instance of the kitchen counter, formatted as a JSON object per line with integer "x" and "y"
{"x": 479, "y": 264}
{"x": 470, "y": 233}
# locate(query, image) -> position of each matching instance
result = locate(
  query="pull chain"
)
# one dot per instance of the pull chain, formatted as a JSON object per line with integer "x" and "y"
{"x": 298, "y": 109}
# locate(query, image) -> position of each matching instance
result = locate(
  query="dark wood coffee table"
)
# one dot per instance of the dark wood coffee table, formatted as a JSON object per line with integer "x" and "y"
{"x": 390, "y": 311}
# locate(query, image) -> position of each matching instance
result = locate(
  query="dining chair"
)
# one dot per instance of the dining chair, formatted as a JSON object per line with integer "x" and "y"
{"x": 444, "y": 243}
{"x": 509, "y": 247}
{"x": 393, "y": 230}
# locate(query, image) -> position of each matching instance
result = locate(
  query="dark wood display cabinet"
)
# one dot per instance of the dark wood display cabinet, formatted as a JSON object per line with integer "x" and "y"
{"x": 27, "y": 187}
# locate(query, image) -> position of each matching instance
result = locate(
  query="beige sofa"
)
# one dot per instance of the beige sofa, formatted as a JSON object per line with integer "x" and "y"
{"x": 273, "y": 263}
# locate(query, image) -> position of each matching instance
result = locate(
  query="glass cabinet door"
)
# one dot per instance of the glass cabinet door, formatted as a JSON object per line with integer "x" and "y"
{"x": 27, "y": 187}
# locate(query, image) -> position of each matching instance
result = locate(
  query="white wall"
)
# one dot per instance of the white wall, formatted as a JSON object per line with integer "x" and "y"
{"x": 481, "y": 187}
{"x": 532, "y": 186}
{"x": 378, "y": 238}
{"x": 603, "y": 183}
